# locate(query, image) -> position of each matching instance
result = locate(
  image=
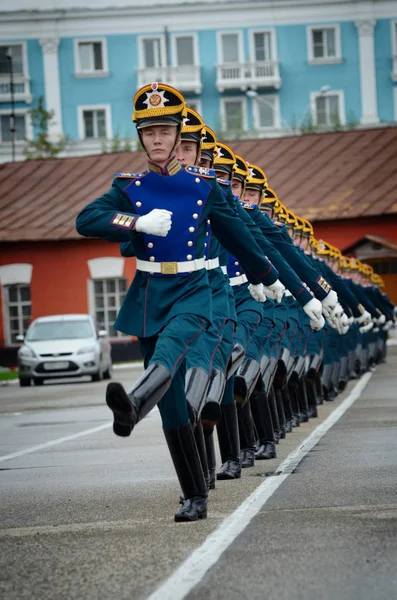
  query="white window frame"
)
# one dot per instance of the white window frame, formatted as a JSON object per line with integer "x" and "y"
{"x": 26, "y": 96}
{"x": 141, "y": 52}
{"x": 28, "y": 124}
{"x": 108, "y": 120}
{"x": 243, "y": 101}
{"x": 219, "y": 35}
{"x": 198, "y": 104}
{"x": 13, "y": 274}
{"x": 91, "y": 301}
{"x": 341, "y": 99}
{"x": 273, "y": 42}
{"x": 393, "y": 25}
{"x": 78, "y": 72}
{"x": 338, "y": 45}
{"x": 256, "y": 112}
{"x": 196, "y": 55}
{"x": 395, "y": 102}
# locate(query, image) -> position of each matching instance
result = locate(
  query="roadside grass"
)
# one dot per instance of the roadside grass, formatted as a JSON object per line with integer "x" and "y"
{"x": 8, "y": 375}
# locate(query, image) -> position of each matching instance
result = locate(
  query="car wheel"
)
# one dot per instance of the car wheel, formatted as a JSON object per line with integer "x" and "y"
{"x": 108, "y": 373}
{"x": 38, "y": 381}
{"x": 24, "y": 382}
{"x": 98, "y": 376}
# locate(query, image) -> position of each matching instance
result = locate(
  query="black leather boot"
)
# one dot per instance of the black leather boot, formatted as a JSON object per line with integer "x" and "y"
{"x": 245, "y": 380}
{"x": 303, "y": 399}
{"x": 297, "y": 416}
{"x": 335, "y": 377}
{"x": 290, "y": 419}
{"x": 247, "y": 438}
{"x": 268, "y": 377}
{"x": 229, "y": 443}
{"x": 311, "y": 397}
{"x": 130, "y": 408}
{"x": 211, "y": 410}
{"x": 344, "y": 373}
{"x": 281, "y": 413}
{"x": 264, "y": 426}
{"x": 326, "y": 380}
{"x": 187, "y": 465}
{"x": 196, "y": 385}
{"x": 211, "y": 458}
{"x": 200, "y": 443}
{"x": 274, "y": 414}
{"x": 265, "y": 364}
{"x": 235, "y": 360}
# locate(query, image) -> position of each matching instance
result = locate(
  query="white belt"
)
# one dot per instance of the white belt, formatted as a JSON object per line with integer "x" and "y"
{"x": 212, "y": 263}
{"x": 224, "y": 269}
{"x": 238, "y": 280}
{"x": 170, "y": 268}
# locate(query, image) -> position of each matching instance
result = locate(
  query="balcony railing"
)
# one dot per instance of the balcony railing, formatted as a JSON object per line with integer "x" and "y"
{"x": 259, "y": 74}
{"x": 394, "y": 71}
{"x": 21, "y": 88}
{"x": 186, "y": 78}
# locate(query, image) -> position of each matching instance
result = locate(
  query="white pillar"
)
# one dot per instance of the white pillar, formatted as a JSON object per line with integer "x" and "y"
{"x": 369, "y": 107}
{"x": 52, "y": 86}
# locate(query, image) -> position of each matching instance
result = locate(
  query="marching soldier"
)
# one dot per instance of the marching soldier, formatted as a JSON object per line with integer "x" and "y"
{"x": 164, "y": 212}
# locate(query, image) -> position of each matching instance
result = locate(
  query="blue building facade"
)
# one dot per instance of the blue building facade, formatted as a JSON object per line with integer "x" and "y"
{"x": 252, "y": 69}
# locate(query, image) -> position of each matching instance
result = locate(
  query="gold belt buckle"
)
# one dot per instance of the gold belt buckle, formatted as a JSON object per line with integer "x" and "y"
{"x": 169, "y": 268}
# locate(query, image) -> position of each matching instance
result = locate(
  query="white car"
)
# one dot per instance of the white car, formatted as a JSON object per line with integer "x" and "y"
{"x": 64, "y": 346}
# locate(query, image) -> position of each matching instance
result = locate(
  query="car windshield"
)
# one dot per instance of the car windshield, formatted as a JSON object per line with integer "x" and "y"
{"x": 60, "y": 330}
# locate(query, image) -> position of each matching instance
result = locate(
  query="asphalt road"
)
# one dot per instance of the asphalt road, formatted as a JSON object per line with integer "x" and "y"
{"x": 92, "y": 516}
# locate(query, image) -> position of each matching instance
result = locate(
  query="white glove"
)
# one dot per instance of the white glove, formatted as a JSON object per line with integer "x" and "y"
{"x": 381, "y": 320}
{"x": 157, "y": 222}
{"x": 388, "y": 325}
{"x": 257, "y": 292}
{"x": 351, "y": 320}
{"x": 336, "y": 312}
{"x": 343, "y": 324}
{"x": 275, "y": 291}
{"x": 366, "y": 328}
{"x": 329, "y": 303}
{"x": 313, "y": 309}
{"x": 364, "y": 319}
{"x": 317, "y": 324}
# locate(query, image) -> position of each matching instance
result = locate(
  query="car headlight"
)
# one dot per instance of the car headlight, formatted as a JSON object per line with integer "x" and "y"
{"x": 25, "y": 352}
{"x": 86, "y": 350}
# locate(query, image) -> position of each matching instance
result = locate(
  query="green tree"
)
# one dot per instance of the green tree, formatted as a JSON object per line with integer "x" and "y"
{"x": 41, "y": 146}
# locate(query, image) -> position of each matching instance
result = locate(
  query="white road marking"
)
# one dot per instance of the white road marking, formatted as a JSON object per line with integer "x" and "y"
{"x": 193, "y": 569}
{"x": 61, "y": 440}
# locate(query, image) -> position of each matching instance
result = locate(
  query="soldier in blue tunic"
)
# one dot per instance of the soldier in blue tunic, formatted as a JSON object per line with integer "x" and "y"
{"x": 165, "y": 212}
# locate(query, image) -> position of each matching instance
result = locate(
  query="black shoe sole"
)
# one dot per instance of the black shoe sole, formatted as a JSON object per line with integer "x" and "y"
{"x": 119, "y": 403}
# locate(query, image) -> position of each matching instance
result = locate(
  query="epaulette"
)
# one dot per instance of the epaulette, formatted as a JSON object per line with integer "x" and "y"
{"x": 224, "y": 182}
{"x": 129, "y": 175}
{"x": 202, "y": 171}
{"x": 248, "y": 205}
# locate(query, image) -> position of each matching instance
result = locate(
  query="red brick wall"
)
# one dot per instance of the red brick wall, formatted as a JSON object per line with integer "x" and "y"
{"x": 60, "y": 273}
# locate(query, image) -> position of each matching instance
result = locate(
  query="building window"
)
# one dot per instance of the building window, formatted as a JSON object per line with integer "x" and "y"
{"x": 184, "y": 50}
{"x": 108, "y": 298}
{"x": 91, "y": 57}
{"x": 152, "y": 55}
{"x": 262, "y": 46}
{"x": 328, "y": 109}
{"x": 230, "y": 48}
{"x": 94, "y": 122}
{"x": 18, "y": 309}
{"x": 194, "y": 104}
{"x": 324, "y": 44}
{"x": 233, "y": 111}
{"x": 6, "y": 126}
{"x": 16, "y": 52}
{"x": 266, "y": 112}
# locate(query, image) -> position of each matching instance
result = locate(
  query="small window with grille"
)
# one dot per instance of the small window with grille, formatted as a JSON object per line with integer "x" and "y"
{"x": 18, "y": 310}
{"x": 108, "y": 298}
